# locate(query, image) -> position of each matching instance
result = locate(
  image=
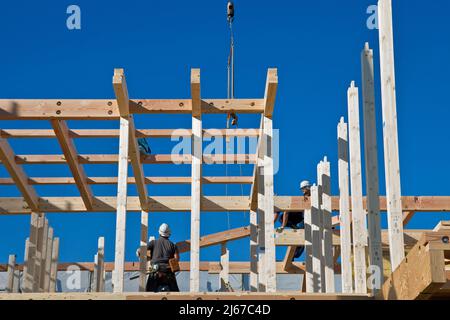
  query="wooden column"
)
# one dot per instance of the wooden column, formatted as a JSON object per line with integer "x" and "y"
{"x": 38, "y": 253}
{"x": 224, "y": 275}
{"x": 100, "y": 266}
{"x": 316, "y": 240}
{"x": 344, "y": 212}
{"x": 308, "y": 277}
{"x": 10, "y": 273}
{"x": 43, "y": 255}
{"x": 358, "y": 212}
{"x": 268, "y": 204}
{"x": 320, "y": 226}
{"x": 262, "y": 275}
{"x": 45, "y": 283}
{"x": 196, "y": 188}
{"x": 253, "y": 251}
{"x": 371, "y": 159}
{"x": 54, "y": 266}
{"x": 143, "y": 251}
{"x": 26, "y": 278}
{"x": 120, "y": 89}
{"x": 390, "y": 135}
{"x": 327, "y": 238}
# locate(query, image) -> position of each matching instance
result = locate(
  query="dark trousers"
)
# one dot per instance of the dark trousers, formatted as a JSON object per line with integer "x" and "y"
{"x": 162, "y": 278}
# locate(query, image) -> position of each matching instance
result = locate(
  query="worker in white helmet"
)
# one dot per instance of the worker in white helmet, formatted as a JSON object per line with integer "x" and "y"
{"x": 161, "y": 252}
{"x": 294, "y": 220}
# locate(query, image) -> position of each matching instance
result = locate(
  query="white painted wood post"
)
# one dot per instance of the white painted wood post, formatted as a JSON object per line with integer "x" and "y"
{"x": 10, "y": 273}
{"x": 43, "y": 253}
{"x": 261, "y": 223}
{"x": 358, "y": 212}
{"x": 48, "y": 261}
{"x": 268, "y": 172}
{"x": 38, "y": 255}
{"x": 224, "y": 276}
{"x": 26, "y": 284}
{"x": 316, "y": 240}
{"x": 94, "y": 287}
{"x": 100, "y": 266}
{"x": 143, "y": 251}
{"x": 320, "y": 225}
{"x": 327, "y": 238}
{"x": 371, "y": 160}
{"x": 121, "y": 215}
{"x": 390, "y": 134}
{"x": 196, "y": 187}
{"x": 54, "y": 267}
{"x": 344, "y": 209}
{"x": 309, "y": 278}
{"x": 253, "y": 251}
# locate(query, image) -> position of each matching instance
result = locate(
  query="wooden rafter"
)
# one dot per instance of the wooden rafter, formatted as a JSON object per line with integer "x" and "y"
{"x": 148, "y": 159}
{"x": 11, "y": 205}
{"x": 114, "y": 133}
{"x": 18, "y": 175}
{"x": 107, "y": 109}
{"x": 121, "y": 91}
{"x": 131, "y": 180}
{"x": 271, "y": 92}
{"x": 71, "y": 156}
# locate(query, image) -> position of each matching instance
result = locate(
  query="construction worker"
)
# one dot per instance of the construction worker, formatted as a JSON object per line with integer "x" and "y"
{"x": 161, "y": 251}
{"x": 294, "y": 220}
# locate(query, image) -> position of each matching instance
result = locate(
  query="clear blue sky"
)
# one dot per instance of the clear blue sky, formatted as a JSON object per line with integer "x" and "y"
{"x": 316, "y": 46}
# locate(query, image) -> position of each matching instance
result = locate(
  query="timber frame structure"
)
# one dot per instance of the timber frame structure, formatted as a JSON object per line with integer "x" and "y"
{"x": 354, "y": 235}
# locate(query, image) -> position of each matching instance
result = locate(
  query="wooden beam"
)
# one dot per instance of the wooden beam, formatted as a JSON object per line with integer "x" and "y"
{"x": 12, "y": 206}
{"x": 309, "y": 273}
{"x": 9, "y": 288}
{"x": 42, "y": 229}
{"x": 316, "y": 240}
{"x": 54, "y": 267}
{"x": 390, "y": 135}
{"x": 407, "y": 216}
{"x": 371, "y": 161}
{"x": 358, "y": 214}
{"x": 121, "y": 206}
{"x": 327, "y": 238}
{"x": 45, "y": 282}
{"x": 71, "y": 156}
{"x": 143, "y": 252}
{"x": 271, "y": 92}
{"x": 344, "y": 205}
{"x": 253, "y": 281}
{"x": 287, "y": 261}
{"x": 196, "y": 187}
{"x": 224, "y": 274}
{"x": 114, "y": 133}
{"x": 148, "y": 159}
{"x": 100, "y": 266}
{"x": 266, "y": 174}
{"x": 131, "y": 180}
{"x": 18, "y": 175}
{"x": 107, "y": 109}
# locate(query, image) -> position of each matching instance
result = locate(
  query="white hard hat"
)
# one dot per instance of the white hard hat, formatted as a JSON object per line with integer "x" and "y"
{"x": 164, "y": 230}
{"x": 305, "y": 184}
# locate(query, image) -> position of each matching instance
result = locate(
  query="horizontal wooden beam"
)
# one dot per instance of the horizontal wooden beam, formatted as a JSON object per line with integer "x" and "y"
{"x": 226, "y": 296}
{"x": 212, "y": 204}
{"x": 149, "y": 159}
{"x": 131, "y": 180}
{"x": 107, "y": 109}
{"x": 114, "y": 133}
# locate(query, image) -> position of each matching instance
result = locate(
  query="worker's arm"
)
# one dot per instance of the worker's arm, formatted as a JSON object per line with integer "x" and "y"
{"x": 276, "y": 215}
{"x": 176, "y": 256}
{"x": 285, "y": 219}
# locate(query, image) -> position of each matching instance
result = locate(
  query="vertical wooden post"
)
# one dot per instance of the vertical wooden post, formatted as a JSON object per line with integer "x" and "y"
{"x": 390, "y": 135}
{"x": 268, "y": 172}
{"x": 121, "y": 206}
{"x": 54, "y": 267}
{"x": 320, "y": 226}
{"x": 26, "y": 263}
{"x": 371, "y": 159}
{"x": 224, "y": 267}
{"x": 196, "y": 188}
{"x": 143, "y": 251}
{"x": 308, "y": 277}
{"x": 10, "y": 273}
{"x": 48, "y": 261}
{"x": 38, "y": 253}
{"x": 327, "y": 242}
{"x": 316, "y": 240}
{"x": 253, "y": 251}
{"x": 100, "y": 266}
{"x": 43, "y": 255}
{"x": 358, "y": 212}
{"x": 261, "y": 221}
{"x": 344, "y": 209}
